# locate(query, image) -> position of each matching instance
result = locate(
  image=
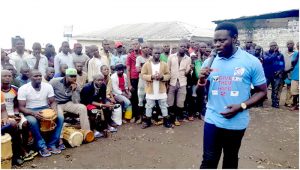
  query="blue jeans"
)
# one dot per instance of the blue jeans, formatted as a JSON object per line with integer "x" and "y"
{"x": 215, "y": 139}
{"x": 35, "y": 129}
{"x": 162, "y": 104}
{"x": 276, "y": 83}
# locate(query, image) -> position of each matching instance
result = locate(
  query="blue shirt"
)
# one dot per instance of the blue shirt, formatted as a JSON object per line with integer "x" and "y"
{"x": 295, "y": 72}
{"x": 272, "y": 63}
{"x": 230, "y": 83}
{"x": 118, "y": 59}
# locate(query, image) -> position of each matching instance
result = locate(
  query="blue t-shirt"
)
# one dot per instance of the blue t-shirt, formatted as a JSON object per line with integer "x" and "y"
{"x": 230, "y": 83}
{"x": 295, "y": 72}
{"x": 118, "y": 60}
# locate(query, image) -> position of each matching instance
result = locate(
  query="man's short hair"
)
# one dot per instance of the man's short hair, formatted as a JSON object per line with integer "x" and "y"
{"x": 229, "y": 26}
{"x": 119, "y": 67}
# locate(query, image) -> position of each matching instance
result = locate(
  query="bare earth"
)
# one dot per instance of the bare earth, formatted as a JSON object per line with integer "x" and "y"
{"x": 271, "y": 141}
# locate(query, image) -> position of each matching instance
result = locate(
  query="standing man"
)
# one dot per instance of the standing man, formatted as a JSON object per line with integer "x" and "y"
{"x": 180, "y": 66}
{"x": 50, "y": 54}
{"x": 95, "y": 63}
{"x": 82, "y": 77}
{"x": 67, "y": 95}
{"x": 249, "y": 47}
{"x": 119, "y": 57}
{"x": 24, "y": 76}
{"x": 295, "y": 80}
{"x": 78, "y": 56}
{"x": 274, "y": 70}
{"x": 165, "y": 53}
{"x": 104, "y": 52}
{"x": 230, "y": 76}
{"x": 156, "y": 73}
{"x": 64, "y": 57}
{"x": 18, "y": 57}
{"x": 36, "y": 60}
{"x": 288, "y": 55}
{"x": 202, "y": 51}
{"x": 33, "y": 98}
{"x": 133, "y": 77}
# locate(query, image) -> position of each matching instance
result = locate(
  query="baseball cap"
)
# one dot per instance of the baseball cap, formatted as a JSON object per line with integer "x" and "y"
{"x": 71, "y": 72}
{"x": 118, "y": 44}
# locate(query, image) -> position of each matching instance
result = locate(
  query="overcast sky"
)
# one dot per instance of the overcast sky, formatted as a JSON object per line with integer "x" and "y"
{"x": 43, "y": 21}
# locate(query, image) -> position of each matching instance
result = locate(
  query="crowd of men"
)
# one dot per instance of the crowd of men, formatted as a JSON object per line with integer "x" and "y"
{"x": 155, "y": 84}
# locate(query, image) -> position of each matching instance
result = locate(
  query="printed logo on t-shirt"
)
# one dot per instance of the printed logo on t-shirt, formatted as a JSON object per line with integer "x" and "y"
{"x": 237, "y": 79}
{"x": 239, "y": 71}
{"x": 234, "y": 93}
{"x": 214, "y": 92}
{"x": 215, "y": 78}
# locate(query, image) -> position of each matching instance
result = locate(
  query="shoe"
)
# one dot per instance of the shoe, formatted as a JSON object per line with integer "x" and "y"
{"x": 159, "y": 122}
{"x": 61, "y": 146}
{"x": 54, "y": 150}
{"x": 294, "y": 108}
{"x": 113, "y": 124}
{"x": 177, "y": 123}
{"x": 132, "y": 120}
{"x": 45, "y": 152}
{"x": 287, "y": 105}
{"x": 27, "y": 157}
{"x": 98, "y": 134}
{"x": 167, "y": 123}
{"x": 147, "y": 123}
{"x": 191, "y": 118}
{"x": 139, "y": 121}
{"x": 17, "y": 161}
{"x": 33, "y": 153}
{"x": 124, "y": 121}
{"x": 112, "y": 129}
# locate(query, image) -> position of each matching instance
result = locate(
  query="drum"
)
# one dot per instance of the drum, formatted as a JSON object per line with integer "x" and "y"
{"x": 6, "y": 151}
{"x": 72, "y": 136}
{"x": 48, "y": 121}
{"x": 88, "y": 135}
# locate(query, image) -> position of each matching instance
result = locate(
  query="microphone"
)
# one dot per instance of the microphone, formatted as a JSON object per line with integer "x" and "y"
{"x": 212, "y": 55}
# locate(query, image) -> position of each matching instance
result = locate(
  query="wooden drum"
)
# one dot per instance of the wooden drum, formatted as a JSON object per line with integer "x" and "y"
{"x": 48, "y": 121}
{"x": 88, "y": 136}
{"x": 6, "y": 151}
{"x": 72, "y": 136}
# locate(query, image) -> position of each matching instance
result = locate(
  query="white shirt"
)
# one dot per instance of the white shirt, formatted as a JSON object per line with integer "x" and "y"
{"x": 43, "y": 64}
{"x": 35, "y": 99}
{"x": 62, "y": 58}
{"x": 94, "y": 66}
{"x": 156, "y": 95}
{"x": 18, "y": 60}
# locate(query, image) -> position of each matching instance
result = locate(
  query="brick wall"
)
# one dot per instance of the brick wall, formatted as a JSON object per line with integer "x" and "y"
{"x": 265, "y": 31}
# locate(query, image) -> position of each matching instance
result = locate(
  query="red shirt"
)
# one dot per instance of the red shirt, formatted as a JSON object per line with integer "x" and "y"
{"x": 122, "y": 83}
{"x": 130, "y": 62}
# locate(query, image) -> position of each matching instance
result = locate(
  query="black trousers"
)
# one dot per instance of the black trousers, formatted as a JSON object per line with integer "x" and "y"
{"x": 134, "y": 98}
{"x": 215, "y": 139}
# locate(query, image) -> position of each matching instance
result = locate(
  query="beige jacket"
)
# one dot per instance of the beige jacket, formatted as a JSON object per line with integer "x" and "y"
{"x": 147, "y": 73}
{"x": 179, "y": 71}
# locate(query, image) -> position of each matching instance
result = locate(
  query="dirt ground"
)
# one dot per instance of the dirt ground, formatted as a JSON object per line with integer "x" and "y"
{"x": 271, "y": 141}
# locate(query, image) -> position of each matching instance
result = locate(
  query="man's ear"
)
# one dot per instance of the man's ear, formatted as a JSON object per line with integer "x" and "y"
{"x": 235, "y": 38}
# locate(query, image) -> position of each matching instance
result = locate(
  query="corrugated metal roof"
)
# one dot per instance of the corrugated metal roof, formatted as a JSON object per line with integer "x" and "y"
{"x": 281, "y": 14}
{"x": 148, "y": 31}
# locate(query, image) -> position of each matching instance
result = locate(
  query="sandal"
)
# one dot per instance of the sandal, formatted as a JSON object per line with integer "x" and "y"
{"x": 33, "y": 153}
{"x": 191, "y": 118}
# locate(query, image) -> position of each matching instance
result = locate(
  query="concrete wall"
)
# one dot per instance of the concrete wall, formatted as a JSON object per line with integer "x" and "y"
{"x": 264, "y": 31}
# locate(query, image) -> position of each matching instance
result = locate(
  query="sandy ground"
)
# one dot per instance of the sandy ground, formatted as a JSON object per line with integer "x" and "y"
{"x": 271, "y": 141}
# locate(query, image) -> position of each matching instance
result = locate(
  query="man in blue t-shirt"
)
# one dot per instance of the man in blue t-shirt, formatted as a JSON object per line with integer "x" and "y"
{"x": 228, "y": 80}
{"x": 295, "y": 80}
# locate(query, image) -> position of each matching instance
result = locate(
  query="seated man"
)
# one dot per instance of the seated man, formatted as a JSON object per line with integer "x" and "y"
{"x": 49, "y": 74}
{"x": 9, "y": 125}
{"x": 13, "y": 71}
{"x": 24, "y": 77}
{"x": 62, "y": 71}
{"x": 10, "y": 93}
{"x": 33, "y": 98}
{"x": 82, "y": 77}
{"x": 120, "y": 88}
{"x": 93, "y": 95}
{"x": 67, "y": 96}
{"x": 156, "y": 73}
